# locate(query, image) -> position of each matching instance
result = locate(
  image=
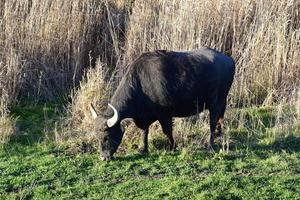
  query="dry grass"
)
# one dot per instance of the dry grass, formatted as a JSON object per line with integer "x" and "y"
{"x": 92, "y": 89}
{"x": 262, "y": 36}
{"x": 47, "y": 46}
{"x": 77, "y": 127}
{"x": 7, "y": 124}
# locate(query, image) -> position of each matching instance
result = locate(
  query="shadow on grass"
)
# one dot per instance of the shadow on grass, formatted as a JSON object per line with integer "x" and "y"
{"x": 286, "y": 144}
{"x": 33, "y": 124}
{"x": 152, "y": 155}
{"x": 289, "y": 143}
{"x": 134, "y": 157}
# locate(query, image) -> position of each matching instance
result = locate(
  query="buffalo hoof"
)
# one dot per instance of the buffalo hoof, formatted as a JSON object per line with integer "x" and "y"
{"x": 143, "y": 151}
{"x": 172, "y": 147}
{"x": 108, "y": 158}
{"x": 218, "y": 134}
{"x": 210, "y": 148}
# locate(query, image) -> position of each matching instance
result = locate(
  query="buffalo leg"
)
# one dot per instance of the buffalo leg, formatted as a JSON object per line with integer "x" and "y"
{"x": 221, "y": 121}
{"x": 219, "y": 128}
{"x": 216, "y": 121}
{"x": 167, "y": 127}
{"x": 213, "y": 119}
{"x": 144, "y": 149}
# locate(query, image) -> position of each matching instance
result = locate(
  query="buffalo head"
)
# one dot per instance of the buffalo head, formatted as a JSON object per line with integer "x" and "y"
{"x": 109, "y": 131}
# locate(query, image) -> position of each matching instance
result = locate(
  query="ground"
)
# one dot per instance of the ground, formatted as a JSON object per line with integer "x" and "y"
{"x": 34, "y": 168}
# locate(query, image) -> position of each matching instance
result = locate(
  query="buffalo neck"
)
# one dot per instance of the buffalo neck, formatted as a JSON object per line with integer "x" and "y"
{"x": 123, "y": 98}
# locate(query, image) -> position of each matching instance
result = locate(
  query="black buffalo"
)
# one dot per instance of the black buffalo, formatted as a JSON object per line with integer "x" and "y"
{"x": 163, "y": 84}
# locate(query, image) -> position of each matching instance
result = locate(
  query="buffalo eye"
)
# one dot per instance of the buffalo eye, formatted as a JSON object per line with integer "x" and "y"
{"x": 104, "y": 127}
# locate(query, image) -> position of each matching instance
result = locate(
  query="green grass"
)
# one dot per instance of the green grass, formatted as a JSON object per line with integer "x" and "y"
{"x": 39, "y": 169}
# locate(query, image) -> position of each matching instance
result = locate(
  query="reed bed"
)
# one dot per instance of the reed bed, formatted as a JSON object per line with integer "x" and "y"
{"x": 51, "y": 49}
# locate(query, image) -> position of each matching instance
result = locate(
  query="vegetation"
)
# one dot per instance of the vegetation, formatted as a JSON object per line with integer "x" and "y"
{"x": 47, "y": 173}
{"x": 256, "y": 167}
{"x": 56, "y": 57}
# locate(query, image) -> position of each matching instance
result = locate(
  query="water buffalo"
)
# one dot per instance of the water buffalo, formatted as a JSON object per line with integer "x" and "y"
{"x": 163, "y": 84}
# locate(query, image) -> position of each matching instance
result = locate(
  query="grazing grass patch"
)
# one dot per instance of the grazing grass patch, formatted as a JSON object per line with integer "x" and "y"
{"x": 34, "y": 123}
{"x": 39, "y": 169}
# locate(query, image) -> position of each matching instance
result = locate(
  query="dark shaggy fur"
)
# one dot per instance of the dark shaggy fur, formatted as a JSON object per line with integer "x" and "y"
{"x": 163, "y": 84}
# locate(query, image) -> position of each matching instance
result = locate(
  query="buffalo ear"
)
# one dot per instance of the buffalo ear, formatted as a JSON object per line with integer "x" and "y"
{"x": 93, "y": 111}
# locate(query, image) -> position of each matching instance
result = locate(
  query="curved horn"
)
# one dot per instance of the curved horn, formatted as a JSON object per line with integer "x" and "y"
{"x": 93, "y": 111}
{"x": 112, "y": 121}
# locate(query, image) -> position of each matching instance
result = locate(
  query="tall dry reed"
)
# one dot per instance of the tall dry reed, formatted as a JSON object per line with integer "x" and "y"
{"x": 7, "y": 123}
{"x": 45, "y": 46}
{"x": 262, "y": 36}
